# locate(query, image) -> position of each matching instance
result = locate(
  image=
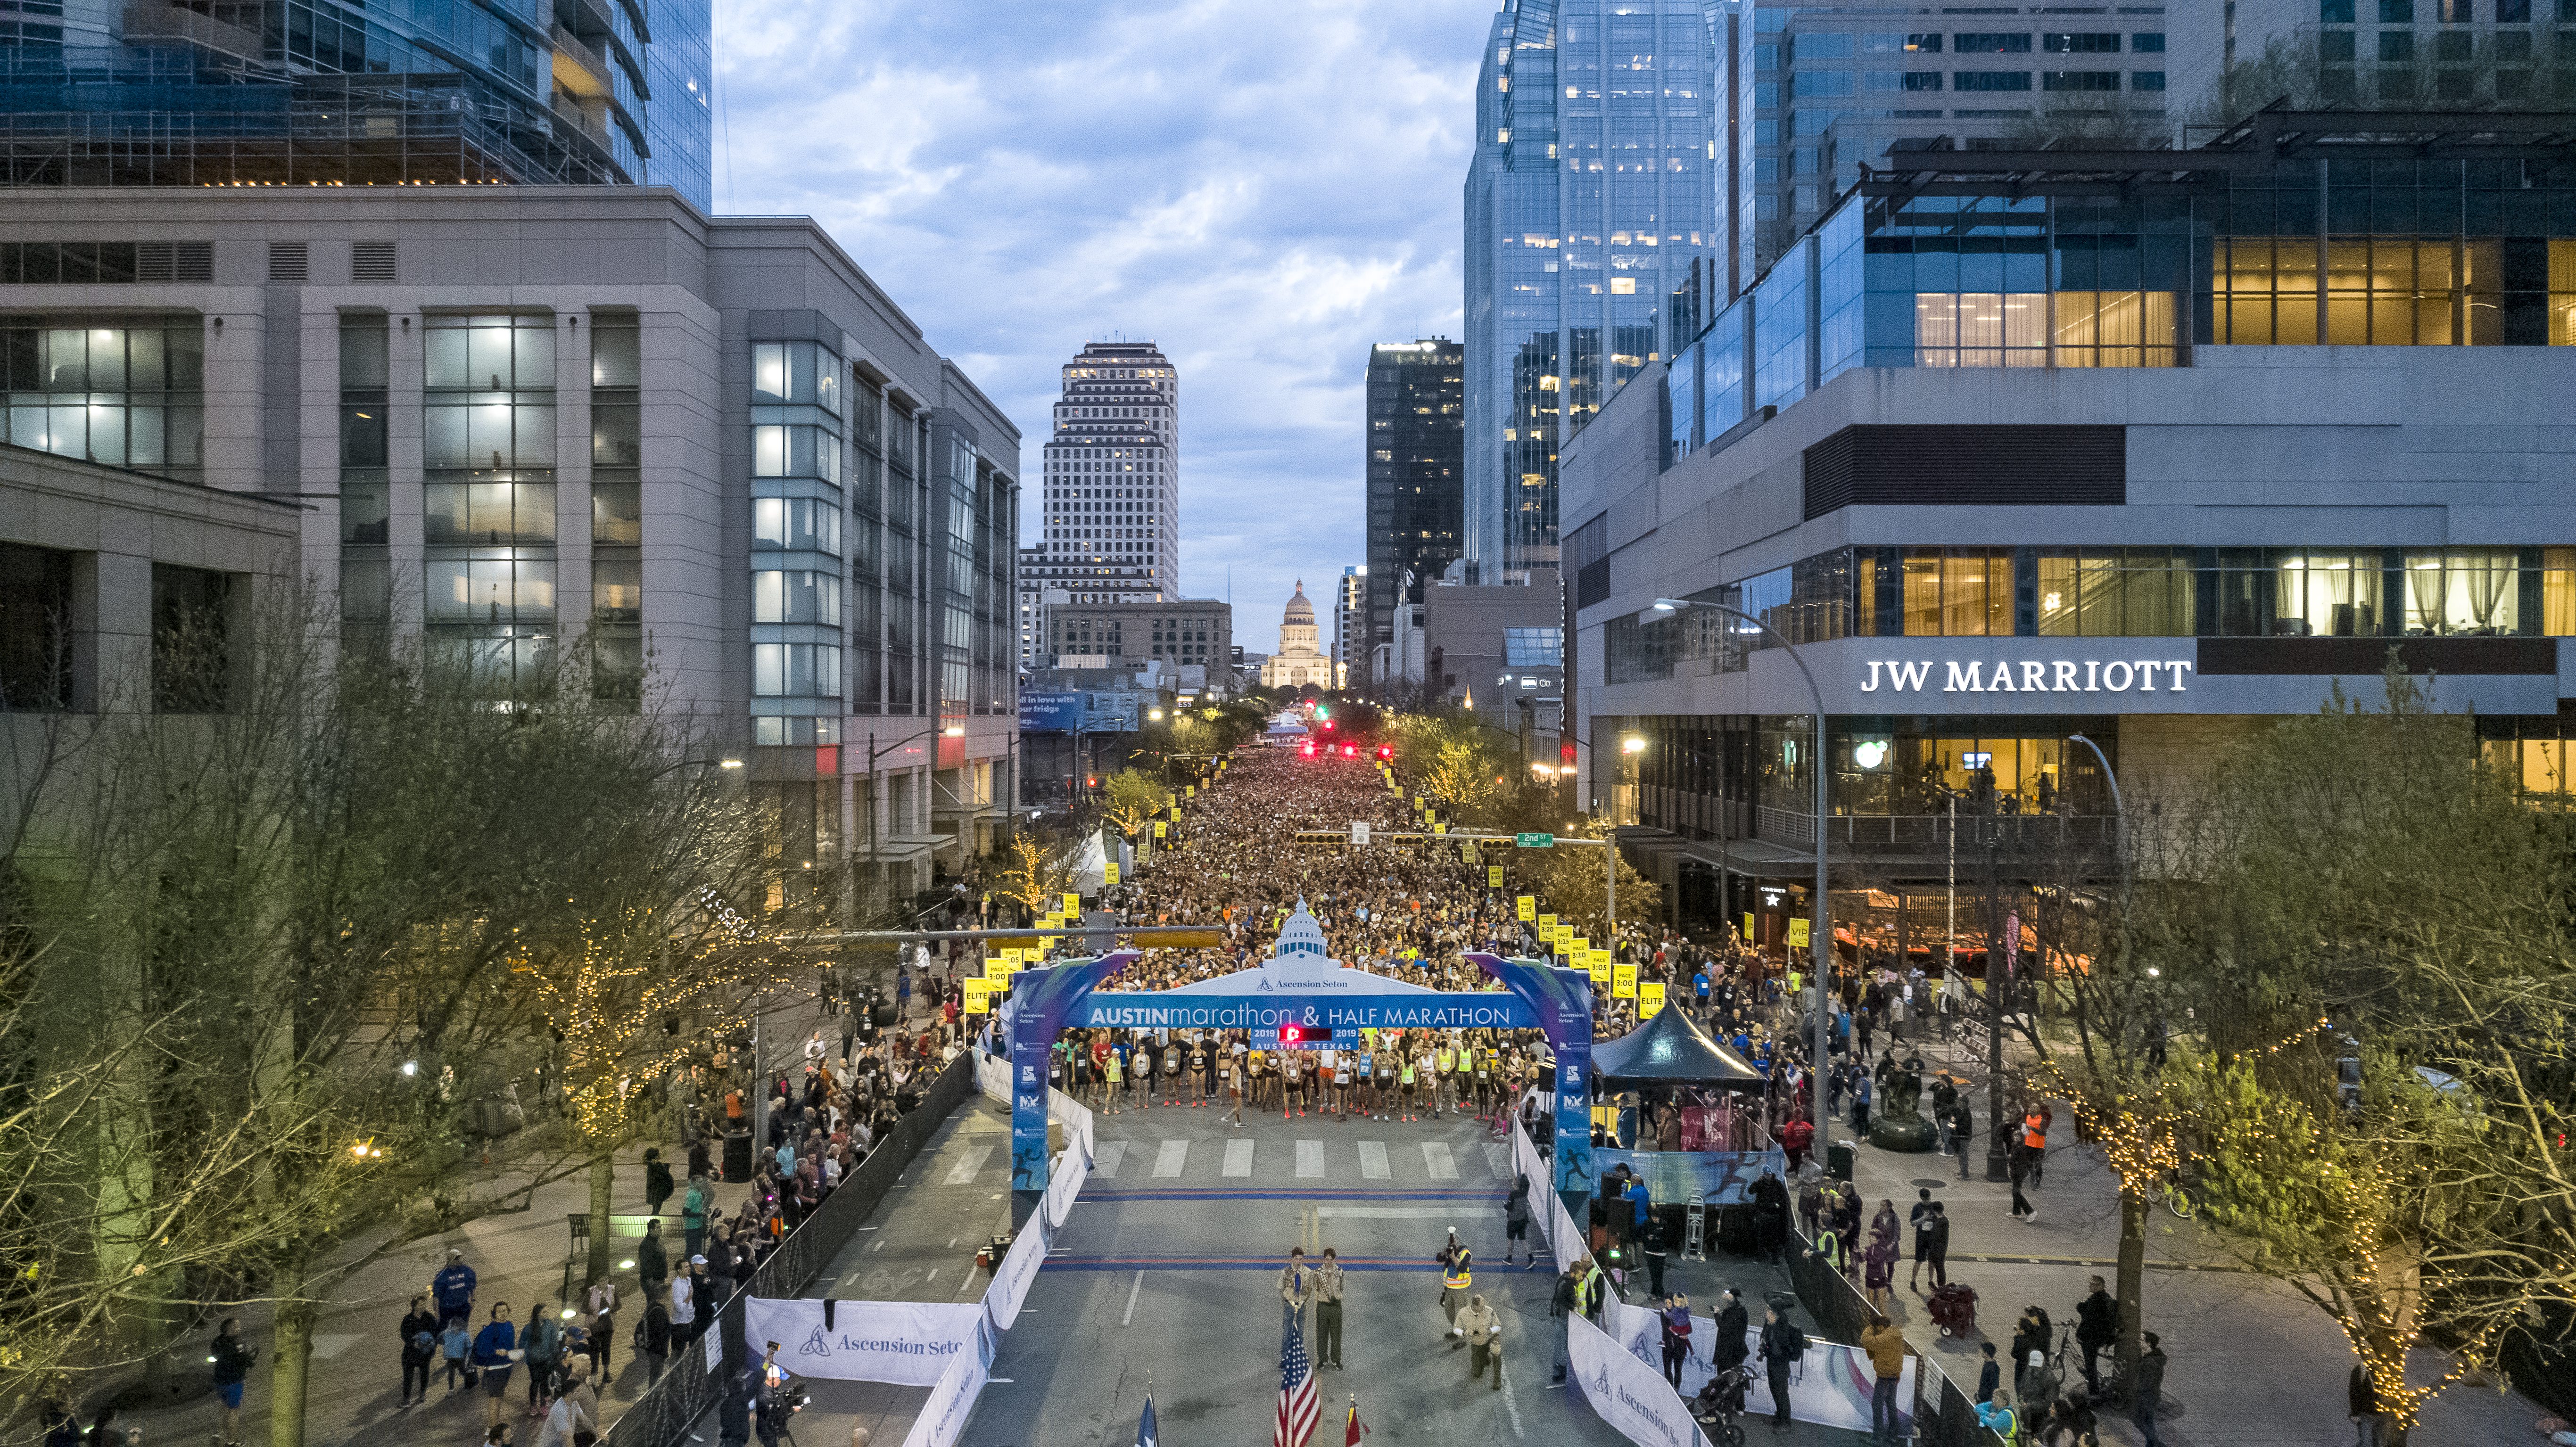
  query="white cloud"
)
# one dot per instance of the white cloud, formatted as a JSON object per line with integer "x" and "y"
{"x": 1264, "y": 190}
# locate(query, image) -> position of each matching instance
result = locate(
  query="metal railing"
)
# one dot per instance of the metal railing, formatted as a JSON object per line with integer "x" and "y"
{"x": 687, "y": 1390}
{"x": 1930, "y": 833}
{"x": 1942, "y": 1415}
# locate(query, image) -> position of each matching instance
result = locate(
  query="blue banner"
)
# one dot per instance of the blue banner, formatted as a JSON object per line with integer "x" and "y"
{"x": 1572, "y": 1149}
{"x": 1422, "y": 1010}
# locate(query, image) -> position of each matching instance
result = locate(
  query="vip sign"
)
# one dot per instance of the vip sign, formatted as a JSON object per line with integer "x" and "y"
{"x": 2029, "y": 675}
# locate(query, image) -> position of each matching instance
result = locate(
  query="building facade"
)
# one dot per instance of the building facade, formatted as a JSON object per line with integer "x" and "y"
{"x": 573, "y": 423}
{"x": 1416, "y": 471}
{"x": 1590, "y": 196}
{"x": 1350, "y": 623}
{"x": 1499, "y": 651}
{"x": 1112, "y": 508}
{"x": 1039, "y": 591}
{"x": 1826, "y": 90}
{"x": 1176, "y": 633}
{"x": 1299, "y": 662}
{"x": 2028, "y": 453}
{"x": 321, "y": 92}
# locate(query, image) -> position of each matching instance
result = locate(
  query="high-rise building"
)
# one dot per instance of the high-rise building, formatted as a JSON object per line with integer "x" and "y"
{"x": 1417, "y": 465}
{"x": 1590, "y": 195}
{"x": 1828, "y": 89}
{"x": 1038, "y": 594}
{"x": 1350, "y": 624}
{"x": 607, "y": 443}
{"x": 297, "y": 92}
{"x": 1112, "y": 509}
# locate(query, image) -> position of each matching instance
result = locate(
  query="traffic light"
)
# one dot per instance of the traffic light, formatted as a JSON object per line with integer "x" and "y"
{"x": 1308, "y": 750}
{"x": 1322, "y": 712}
{"x": 1350, "y": 751}
{"x": 1386, "y": 751}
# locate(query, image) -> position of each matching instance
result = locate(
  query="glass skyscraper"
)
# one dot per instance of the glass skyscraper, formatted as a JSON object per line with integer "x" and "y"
{"x": 1590, "y": 197}
{"x": 290, "y": 92}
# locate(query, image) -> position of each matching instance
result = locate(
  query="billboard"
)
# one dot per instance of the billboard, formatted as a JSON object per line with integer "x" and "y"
{"x": 1049, "y": 712}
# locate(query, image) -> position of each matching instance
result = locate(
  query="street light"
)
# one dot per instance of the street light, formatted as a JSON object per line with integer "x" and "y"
{"x": 1821, "y": 938}
{"x": 693, "y": 764}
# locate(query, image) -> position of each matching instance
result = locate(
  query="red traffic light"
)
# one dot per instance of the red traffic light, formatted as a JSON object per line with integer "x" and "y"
{"x": 1350, "y": 751}
{"x": 1565, "y": 752}
{"x": 1386, "y": 751}
{"x": 1308, "y": 751}
{"x": 1328, "y": 725}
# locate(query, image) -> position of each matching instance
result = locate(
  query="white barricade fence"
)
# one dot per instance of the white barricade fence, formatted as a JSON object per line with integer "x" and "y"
{"x": 1019, "y": 1267}
{"x": 909, "y": 1344}
{"x": 1631, "y": 1396}
{"x": 993, "y": 1077}
{"x": 1077, "y": 1123}
{"x": 1071, "y": 1169}
{"x": 952, "y": 1397}
{"x": 1639, "y": 1331}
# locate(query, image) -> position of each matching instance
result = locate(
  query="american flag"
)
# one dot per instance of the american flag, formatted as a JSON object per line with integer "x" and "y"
{"x": 1297, "y": 1408}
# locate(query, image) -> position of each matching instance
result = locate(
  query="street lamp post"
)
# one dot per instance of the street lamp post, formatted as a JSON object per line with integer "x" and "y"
{"x": 693, "y": 764}
{"x": 1821, "y": 940}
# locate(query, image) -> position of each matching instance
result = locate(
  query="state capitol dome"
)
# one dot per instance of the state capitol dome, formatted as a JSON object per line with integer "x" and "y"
{"x": 1299, "y": 661}
{"x": 1299, "y": 610}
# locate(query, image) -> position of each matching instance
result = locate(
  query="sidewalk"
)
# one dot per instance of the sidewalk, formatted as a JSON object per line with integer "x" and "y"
{"x": 517, "y": 1256}
{"x": 2254, "y": 1364}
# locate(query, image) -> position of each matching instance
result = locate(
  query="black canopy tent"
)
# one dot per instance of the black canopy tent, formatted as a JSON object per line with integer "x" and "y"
{"x": 1671, "y": 1049}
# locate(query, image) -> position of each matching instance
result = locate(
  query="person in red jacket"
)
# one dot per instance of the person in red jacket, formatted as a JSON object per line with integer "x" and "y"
{"x": 1796, "y": 1137}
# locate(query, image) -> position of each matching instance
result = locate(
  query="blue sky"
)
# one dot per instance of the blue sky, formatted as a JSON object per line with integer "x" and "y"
{"x": 1263, "y": 189}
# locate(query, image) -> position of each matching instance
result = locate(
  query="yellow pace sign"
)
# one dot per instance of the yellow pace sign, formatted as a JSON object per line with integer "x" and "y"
{"x": 1527, "y": 904}
{"x": 1072, "y": 906}
{"x": 1546, "y": 922}
{"x": 1160, "y": 829}
{"x": 1598, "y": 967}
{"x": 1493, "y": 876}
{"x": 1650, "y": 998}
{"x": 1109, "y": 872}
{"x": 979, "y": 997}
{"x": 1623, "y": 982}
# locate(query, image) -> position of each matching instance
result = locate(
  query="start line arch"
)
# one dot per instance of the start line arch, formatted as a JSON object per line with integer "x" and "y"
{"x": 1300, "y": 985}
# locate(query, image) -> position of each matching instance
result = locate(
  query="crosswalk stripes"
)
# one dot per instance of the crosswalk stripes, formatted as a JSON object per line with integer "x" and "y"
{"x": 1498, "y": 1159}
{"x": 1169, "y": 1160}
{"x": 1104, "y": 1162}
{"x": 963, "y": 1173}
{"x": 1310, "y": 1159}
{"x": 1373, "y": 1161}
{"x": 1238, "y": 1158}
{"x": 1438, "y": 1162}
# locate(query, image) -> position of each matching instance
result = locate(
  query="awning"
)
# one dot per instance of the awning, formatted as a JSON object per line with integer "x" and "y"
{"x": 1671, "y": 1048}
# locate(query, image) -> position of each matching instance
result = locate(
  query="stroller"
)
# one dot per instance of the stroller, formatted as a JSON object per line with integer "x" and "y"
{"x": 1954, "y": 1309}
{"x": 1719, "y": 1406}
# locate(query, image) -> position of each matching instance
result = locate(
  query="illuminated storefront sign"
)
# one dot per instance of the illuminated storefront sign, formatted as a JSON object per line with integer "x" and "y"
{"x": 2029, "y": 675}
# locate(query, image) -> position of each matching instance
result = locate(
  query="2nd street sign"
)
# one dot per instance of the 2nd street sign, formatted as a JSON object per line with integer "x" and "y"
{"x": 1535, "y": 841}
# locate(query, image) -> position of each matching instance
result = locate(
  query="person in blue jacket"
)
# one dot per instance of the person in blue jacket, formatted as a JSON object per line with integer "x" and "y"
{"x": 453, "y": 1288}
{"x": 496, "y": 1350}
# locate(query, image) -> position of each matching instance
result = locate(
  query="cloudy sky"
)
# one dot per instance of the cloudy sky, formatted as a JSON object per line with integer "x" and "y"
{"x": 1262, "y": 189}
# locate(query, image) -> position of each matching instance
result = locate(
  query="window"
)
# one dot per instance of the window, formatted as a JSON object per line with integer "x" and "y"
{"x": 617, "y": 590}
{"x": 2465, "y": 593}
{"x": 1924, "y": 44}
{"x": 2084, "y": 43}
{"x": 2513, "y": 12}
{"x": 1957, "y": 593}
{"x": 2147, "y": 80}
{"x": 2079, "y": 80}
{"x": 1811, "y": 83}
{"x": 489, "y": 353}
{"x": 795, "y": 670}
{"x": 1969, "y": 43}
{"x": 191, "y": 647}
{"x": 1534, "y": 647}
{"x": 796, "y": 597}
{"x": 796, "y": 373}
{"x": 2116, "y": 593}
{"x": 35, "y": 629}
{"x": 1923, "y": 80}
{"x": 2396, "y": 12}
{"x": 2335, "y": 12}
{"x": 793, "y": 450}
{"x": 1990, "y": 80}
{"x": 2147, "y": 42}
{"x": 804, "y": 523}
{"x": 126, "y": 392}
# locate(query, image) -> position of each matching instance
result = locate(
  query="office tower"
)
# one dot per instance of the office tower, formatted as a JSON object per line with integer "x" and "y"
{"x": 1830, "y": 89}
{"x": 1112, "y": 508}
{"x": 1417, "y": 442}
{"x": 298, "y": 92}
{"x": 605, "y": 443}
{"x": 1039, "y": 593}
{"x": 1350, "y": 625}
{"x": 1588, "y": 199}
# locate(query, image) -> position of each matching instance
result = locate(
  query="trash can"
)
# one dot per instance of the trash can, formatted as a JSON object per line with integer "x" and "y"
{"x": 1838, "y": 1159}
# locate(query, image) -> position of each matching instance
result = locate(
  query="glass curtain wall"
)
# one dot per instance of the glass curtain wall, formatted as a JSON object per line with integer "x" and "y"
{"x": 796, "y": 618}
{"x": 616, "y": 508}
{"x": 122, "y": 391}
{"x": 366, "y": 495}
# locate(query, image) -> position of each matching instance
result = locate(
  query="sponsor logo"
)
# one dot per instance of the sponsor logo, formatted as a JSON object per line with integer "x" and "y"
{"x": 2031, "y": 675}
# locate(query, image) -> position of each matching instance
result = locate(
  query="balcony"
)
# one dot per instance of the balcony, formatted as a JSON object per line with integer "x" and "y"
{"x": 167, "y": 20}
{"x": 579, "y": 68}
{"x": 2056, "y": 836}
{"x": 589, "y": 123}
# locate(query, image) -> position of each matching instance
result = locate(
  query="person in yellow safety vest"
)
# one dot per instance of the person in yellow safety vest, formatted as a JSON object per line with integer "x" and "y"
{"x": 1448, "y": 1095}
{"x": 1456, "y": 1276}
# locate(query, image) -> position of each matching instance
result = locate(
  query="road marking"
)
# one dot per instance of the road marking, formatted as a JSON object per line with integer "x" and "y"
{"x": 963, "y": 1173}
{"x": 1105, "y": 1165}
{"x": 880, "y": 1246}
{"x": 952, "y": 1243}
{"x": 1139, "y": 1285}
{"x": 1238, "y": 1158}
{"x": 1498, "y": 1159}
{"x": 1169, "y": 1160}
{"x": 1437, "y": 1160}
{"x": 1511, "y": 1409}
{"x": 1404, "y": 1213}
{"x": 1373, "y": 1161}
{"x": 1310, "y": 1158}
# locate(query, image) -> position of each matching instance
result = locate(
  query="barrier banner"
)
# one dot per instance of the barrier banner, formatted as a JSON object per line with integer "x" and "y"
{"x": 1077, "y": 1123}
{"x": 1010, "y": 1285}
{"x": 993, "y": 1077}
{"x": 952, "y": 1397}
{"x": 1070, "y": 1170}
{"x": 1829, "y": 1386}
{"x": 909, "y": 1344}
{"x": 1721, "y": 1176}
{"x": 1631, "y": 1396}
{"x": 1638, "y": 1331}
